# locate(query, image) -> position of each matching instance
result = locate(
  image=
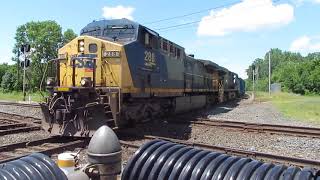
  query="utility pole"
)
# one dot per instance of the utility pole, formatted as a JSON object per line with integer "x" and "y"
{"x": 269, "y": 73}
{"x": 253, "y": 89}
{"x": 18, "y": 66}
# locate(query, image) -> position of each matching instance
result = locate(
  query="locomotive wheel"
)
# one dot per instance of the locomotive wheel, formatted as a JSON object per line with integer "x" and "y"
{"x": 147, "y": 115}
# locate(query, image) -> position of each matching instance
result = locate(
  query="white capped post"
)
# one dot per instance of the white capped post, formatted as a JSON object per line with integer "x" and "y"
{"x": 253, "y": 72}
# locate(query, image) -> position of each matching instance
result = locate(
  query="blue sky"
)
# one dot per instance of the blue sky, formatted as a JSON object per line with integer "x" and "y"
{"x": 232, "y": 37}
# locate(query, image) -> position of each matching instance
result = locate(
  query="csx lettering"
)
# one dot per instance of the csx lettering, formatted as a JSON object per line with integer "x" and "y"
{"x": 80, "y": 63}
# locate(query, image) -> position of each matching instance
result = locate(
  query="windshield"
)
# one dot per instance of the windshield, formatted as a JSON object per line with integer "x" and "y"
{"x": 124, "y": 32}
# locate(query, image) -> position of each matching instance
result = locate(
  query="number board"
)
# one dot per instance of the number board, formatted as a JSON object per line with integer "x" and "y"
{"x": 112, "y": 54}
{"x": 149, "y": 59}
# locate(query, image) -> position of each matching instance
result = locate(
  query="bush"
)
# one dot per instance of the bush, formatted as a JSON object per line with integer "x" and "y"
{"x": 10, "y": 81}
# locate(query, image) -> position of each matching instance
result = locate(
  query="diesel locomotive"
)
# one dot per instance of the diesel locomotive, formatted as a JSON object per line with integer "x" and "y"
{"x": 119, "y": 72}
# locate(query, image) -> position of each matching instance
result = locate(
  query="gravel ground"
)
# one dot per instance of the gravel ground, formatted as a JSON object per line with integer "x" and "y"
{"x": 256, "y": 112}
{"x": 21, "y": 137}
{"x": 275, "y": 144}
{"x": 23, "y": 111}
{"x": 244, "y": 110}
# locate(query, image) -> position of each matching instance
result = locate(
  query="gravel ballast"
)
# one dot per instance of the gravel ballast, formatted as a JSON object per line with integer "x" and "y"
{"x": 255, "y": 112}
{"x": 283, "y": 145}
{"x": 244, "y": 110}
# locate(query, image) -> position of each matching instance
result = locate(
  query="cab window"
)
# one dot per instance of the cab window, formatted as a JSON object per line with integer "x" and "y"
{"x": 178, "y": 53}
{"x": 148, "y": 39}
{"x": 164, "y": 45}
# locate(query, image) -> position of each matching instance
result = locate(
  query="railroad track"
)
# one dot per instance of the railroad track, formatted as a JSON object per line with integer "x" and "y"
{"x": 9, "y": 126}
{"x": 58, "y": 144}
{"x": 48, "y": 146}
{"x": 256, "y": 127}
{"x": 19, "y": 104}
{"x": 265, "y": 157}
{"x": 20, "y": 117}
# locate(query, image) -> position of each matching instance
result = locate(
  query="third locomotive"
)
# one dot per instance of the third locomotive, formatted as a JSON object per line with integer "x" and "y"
{"x": 119, "y": 72}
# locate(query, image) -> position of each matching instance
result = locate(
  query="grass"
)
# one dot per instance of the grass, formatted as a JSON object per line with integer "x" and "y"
{"x": 304, "y": 108}
{"x": 18, "y": 96}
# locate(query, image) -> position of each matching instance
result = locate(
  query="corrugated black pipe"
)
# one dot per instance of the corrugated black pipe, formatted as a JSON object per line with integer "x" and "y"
{"x": 35, "y": 166}
{"x": 159, "y": 160}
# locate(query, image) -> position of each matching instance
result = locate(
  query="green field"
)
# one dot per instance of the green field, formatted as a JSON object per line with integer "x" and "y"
{"x": 304, "y": 108}
{"x": 18, "y": 96}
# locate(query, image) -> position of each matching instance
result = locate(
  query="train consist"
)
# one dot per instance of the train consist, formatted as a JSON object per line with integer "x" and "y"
{"x": 119, "y": 72}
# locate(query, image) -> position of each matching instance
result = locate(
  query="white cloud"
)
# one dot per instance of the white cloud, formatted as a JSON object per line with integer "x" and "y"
{"x": 305, "y": 44}
{"x": 239, "y": 68}
{"x": 302, "y": 1}
{"x": 249, "y": 15}
{"x": 118, "y": 12}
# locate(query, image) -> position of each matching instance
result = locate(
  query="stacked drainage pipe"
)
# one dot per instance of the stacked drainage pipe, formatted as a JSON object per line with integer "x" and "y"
{"x": 158, "y": 160}
{"x": 36, "y": 166}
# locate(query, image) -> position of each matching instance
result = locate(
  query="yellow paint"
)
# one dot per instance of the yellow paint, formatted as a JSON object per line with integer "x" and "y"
{"x": 66, "y": 163}
{"x": 64, "y": 89}
{"x": 108, "y": 70}
{"x": 163, "y": 90}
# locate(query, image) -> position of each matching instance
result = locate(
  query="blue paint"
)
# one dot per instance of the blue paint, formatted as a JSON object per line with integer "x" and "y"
{"x": 150, "y": 68}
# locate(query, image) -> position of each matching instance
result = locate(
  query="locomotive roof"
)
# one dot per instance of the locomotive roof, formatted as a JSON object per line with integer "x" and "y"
{"x": 92, "y": 28}
{"x": 120, "y": 30}
{"x": 104, "y": 23}
{"x": 212, "y": 65}
{"x": 96, "y": 28}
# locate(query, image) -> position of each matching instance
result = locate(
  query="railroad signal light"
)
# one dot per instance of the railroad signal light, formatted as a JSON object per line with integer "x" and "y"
{"x": 22, "y": 48}
{"x": 27, "y": 61}
{"x": 25, "y": 48}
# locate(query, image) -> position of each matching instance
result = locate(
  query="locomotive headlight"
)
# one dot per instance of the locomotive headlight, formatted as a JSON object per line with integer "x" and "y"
{"x": 50, "y": 81}
{"x": 81, "y": 43}
{"x": 85, "y": 82}
{"x": 81, "y": 49}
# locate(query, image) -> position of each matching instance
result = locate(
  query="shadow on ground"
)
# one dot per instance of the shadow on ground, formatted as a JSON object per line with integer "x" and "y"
{"x": 178, "y": 126}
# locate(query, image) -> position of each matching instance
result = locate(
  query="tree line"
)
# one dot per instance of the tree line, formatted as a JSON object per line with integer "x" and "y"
{"x": 296, "y": 73}
{"x": 45, "y": 38}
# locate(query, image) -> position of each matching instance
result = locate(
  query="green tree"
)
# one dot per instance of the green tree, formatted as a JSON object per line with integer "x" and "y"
{"x": 3, "y": 69}
{"x": 296, "y": 73}
{"x": 45, "y": 38}
{"x": 10, "y": 80}
{"x": 68, "y": 35}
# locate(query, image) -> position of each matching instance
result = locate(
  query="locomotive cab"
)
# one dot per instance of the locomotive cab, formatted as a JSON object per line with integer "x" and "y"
{"x": 86, "y": 83}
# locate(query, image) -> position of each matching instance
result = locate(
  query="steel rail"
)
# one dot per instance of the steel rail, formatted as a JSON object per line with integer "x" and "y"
{"x": 244, "y": 153}
{"x": 48, "y": 146}
{"x": 19, "y": 104}
{"x": 256, "y": 127}
{"x": 19, "y": 130}
{"x": 11, "y": 126}
{"x": 35, "y": 120}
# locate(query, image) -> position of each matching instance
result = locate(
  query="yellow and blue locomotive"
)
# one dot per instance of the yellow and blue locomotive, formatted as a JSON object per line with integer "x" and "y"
{"x": 119, "y": 72}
